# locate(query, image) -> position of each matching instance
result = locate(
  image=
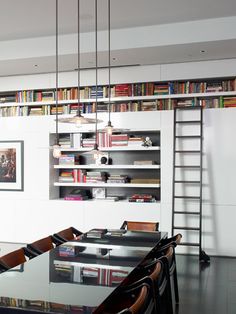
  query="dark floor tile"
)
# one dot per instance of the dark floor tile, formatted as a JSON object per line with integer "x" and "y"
{"x": 206, "y": 288}
{"x": 232, "y": 293}
{"x": 231, "y": 308}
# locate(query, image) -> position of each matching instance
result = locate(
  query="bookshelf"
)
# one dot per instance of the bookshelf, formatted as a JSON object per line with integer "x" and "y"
{"x": 130, "y": 168}
{"x": 149, "y": 96}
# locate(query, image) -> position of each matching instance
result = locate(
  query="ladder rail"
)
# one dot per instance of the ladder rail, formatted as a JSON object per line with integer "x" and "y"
{"x": 173, "y": 183}
{"x": 202, "y": 255}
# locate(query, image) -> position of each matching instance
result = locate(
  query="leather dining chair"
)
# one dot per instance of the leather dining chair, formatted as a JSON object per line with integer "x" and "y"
{"x": 140, "y": 225}
{"x": 156, "y": 275}
{"x": 12, "y": 259}
{"x": 132, "y": 300}
{"x": 171, "y": 259}
{"x": 38, "y": 247}
{"x": 65, "y": 235}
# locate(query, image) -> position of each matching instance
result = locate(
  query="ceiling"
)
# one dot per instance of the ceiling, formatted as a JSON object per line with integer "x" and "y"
{"x": 26, "y": 19}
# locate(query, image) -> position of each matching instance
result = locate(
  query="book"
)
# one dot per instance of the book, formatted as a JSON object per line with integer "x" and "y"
{"x": 144, "y": 162}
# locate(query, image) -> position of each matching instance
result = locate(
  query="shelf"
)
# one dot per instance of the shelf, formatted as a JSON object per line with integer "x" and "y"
{"x": 100, "y": 200}
{"x": 112, "y": 149}
{"x": 120, "y": 99}
{"x": 97, "y": 265}
{"x": 107, "y": 167}
{"x": 106, "y": 185}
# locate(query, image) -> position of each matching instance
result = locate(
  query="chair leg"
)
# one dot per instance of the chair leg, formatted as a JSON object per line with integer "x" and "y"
{"x": 176, "y": 286}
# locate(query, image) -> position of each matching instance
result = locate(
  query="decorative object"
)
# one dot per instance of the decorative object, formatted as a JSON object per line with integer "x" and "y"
{"x": 11, "y": 165}
{"x": 147, "y": 142}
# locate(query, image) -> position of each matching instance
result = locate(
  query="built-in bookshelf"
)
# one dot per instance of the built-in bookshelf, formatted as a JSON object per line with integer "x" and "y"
{"x": 148, "y": 96}
{"x": 125, "y": 168}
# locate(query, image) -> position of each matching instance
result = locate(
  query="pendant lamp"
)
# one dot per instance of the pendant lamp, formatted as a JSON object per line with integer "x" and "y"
{"x": 56, "y": 147}
{"x": 78, "y": 119}
{"x": 109, "y": 128}
{"x": 95, "y": 150}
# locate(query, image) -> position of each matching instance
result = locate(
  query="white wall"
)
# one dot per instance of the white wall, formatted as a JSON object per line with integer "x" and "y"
{"x": 29, "y": 215}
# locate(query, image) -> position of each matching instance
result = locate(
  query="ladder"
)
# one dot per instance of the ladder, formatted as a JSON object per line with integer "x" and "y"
{"x": 181, "y": 182}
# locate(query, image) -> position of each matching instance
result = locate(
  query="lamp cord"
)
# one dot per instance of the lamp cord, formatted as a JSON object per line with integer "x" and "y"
{"x": 56, "y": 92}
{"x": 78, "y": 61}
{"x": 96, "y": 72}
{"x": 109, "y": 61}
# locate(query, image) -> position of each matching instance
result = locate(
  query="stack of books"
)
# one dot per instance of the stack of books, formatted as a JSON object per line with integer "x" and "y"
{"x": 135, "y": 141}
{"x": 95, "y": 177}
{"x": 69, "y": 159}
{"x": 117, "y": 178}
{"x": 119, "y": 140}
{"x": 142, "y": 198}
{"x": 77, "y": 195}
{"x": 65, "y": 141}
{"x": 89, "y": 142}
{"x": 66, "y": 176}
{"x": 145, "y": 181}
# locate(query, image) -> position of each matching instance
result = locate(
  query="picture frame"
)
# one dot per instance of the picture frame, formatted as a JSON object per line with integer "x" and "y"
{"x": 11, "y": 165}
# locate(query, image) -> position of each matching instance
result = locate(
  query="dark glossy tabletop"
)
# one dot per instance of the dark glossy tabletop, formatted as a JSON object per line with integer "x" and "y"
{"x": 77, "y": 276}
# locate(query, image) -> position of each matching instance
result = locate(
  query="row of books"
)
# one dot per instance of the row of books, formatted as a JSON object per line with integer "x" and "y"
{"x": 84, "y": 176}
{"x": 160, "y": 104}
{"x": 103, "y": 140}
{"x": 43, "y": 306}
{"x": 119, "y": 90}
{"x": 91, "y": 275}
{"x": 142, "y": 198}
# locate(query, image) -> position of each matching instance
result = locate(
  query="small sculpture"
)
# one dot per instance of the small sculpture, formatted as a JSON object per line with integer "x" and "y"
{"x": 147, "y": 142}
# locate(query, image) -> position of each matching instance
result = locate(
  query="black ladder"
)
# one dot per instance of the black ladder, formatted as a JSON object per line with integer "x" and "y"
{"x": 181, "y": 121}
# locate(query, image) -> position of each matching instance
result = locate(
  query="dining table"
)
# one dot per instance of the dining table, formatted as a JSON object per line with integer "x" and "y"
{"x": 78, "y": 275}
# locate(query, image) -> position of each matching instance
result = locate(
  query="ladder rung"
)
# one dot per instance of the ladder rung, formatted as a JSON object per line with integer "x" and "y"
{"x": 189, "y": 166}
{"x": 189, "y": 244}
{"x": 189, "y": 121}
{"x": 186, "y": 228}
{"x": 188, "y": 136}
{"x": 190, "y": 197}
{"x": 186, "y": 213}
{"x": 188, "y": 107}
{"x": 188, "y": 151}
{"x": 190, "y": 182}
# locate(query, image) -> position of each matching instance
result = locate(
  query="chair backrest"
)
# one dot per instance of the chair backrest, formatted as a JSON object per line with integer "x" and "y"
{"x": 140, "y": 225}
{"x": 67, "y": 234}
{"x": 42, "y": 245}
{"x": 13, "y": 259}
{"x": 132, "y": 300}
{"x": 174, "y": 241}
{"x": 139, "y": 305}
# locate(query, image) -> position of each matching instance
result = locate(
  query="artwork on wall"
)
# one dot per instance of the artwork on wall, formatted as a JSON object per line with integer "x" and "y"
{"x": 11, "y": 165}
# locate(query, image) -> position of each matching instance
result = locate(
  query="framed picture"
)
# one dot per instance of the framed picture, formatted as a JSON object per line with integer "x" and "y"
{"x": 11, "y": 165}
